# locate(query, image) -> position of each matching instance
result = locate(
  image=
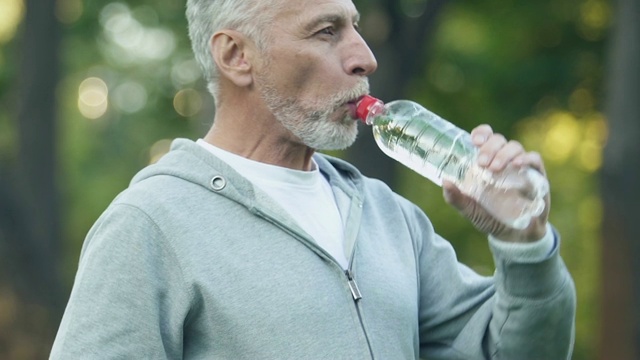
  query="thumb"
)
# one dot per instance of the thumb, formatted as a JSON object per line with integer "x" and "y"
{"x": 471, "y": 209}
{"x": 454, "y": 197}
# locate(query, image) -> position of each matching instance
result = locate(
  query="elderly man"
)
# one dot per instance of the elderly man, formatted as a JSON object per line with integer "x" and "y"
{"x": 248, "y": 244}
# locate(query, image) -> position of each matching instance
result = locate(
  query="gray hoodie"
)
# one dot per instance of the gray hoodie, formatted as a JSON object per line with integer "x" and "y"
{"x": 193, "y": 262}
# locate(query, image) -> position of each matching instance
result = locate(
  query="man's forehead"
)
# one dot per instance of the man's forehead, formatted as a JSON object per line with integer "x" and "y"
{"x": 311, "y": 11}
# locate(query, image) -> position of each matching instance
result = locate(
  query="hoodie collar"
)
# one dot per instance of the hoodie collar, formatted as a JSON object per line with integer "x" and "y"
{"x": 190, "y": 162}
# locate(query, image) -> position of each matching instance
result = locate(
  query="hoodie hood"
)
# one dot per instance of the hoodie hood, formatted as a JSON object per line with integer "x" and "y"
{"x": 190, "y": 162}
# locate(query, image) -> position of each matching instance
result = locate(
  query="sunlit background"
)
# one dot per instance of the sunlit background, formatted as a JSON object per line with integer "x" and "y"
{"x": 129, "y": 85}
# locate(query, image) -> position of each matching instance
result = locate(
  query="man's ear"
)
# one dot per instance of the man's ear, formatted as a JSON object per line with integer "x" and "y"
{"x": 231, "y": 52}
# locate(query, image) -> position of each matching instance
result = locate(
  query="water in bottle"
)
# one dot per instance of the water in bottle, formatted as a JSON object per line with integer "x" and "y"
{"x": 438, "y": 150}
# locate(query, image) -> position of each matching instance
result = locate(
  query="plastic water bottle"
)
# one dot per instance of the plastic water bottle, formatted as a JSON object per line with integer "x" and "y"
{"x": 438, "y": 150}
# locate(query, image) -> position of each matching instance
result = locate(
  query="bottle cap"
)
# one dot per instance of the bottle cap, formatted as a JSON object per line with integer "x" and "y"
{"x": 364, "y": 106}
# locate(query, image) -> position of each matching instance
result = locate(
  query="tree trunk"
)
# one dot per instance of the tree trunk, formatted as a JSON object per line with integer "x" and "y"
{"x": 37, "y": 254}
{"x": 620, "y": 329}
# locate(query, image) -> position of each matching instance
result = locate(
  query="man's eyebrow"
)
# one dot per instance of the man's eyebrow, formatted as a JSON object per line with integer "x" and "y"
{"x": 331, "y": 19}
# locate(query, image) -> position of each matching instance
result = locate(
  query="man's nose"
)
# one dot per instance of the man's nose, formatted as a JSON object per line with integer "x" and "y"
{"x": 360, "y": 60}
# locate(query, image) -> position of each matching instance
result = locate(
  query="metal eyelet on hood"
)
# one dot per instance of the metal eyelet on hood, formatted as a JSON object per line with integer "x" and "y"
{"x": 218, "y": 183}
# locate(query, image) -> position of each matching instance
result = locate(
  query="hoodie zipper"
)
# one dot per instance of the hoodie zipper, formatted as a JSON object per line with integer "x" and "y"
{"x": 355, "y": 293}
{"x": 351, "y": 281}
{"x": 353, "y": 286}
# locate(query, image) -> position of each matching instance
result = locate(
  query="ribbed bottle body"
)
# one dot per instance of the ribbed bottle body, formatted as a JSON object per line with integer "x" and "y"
{"x": 424, "y": 142}
{"x": 438, "y": 150}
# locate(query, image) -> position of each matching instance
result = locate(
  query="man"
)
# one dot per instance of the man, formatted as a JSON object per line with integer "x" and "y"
{"x": 247, "y": 244}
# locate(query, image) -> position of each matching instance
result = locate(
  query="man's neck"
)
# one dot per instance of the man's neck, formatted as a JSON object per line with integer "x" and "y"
{"x": 259, "y": 138}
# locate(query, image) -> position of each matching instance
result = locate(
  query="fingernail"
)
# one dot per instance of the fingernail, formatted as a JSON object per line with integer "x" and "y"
{"x": 483, "y": 160}
{"x": 479, "y": 138}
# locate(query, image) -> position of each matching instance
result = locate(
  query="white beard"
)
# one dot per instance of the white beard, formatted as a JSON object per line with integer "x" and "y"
{"x": 312, "y": 124}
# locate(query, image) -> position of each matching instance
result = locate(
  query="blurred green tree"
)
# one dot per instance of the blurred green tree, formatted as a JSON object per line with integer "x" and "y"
{"x": 620, "y": 328}
{"x": 29, "y": 217}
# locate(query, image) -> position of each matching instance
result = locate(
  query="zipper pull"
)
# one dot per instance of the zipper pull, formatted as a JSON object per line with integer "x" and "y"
{"x": 353, "y": 286}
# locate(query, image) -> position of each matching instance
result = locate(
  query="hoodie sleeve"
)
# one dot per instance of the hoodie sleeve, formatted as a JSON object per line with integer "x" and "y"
{"x": 525, "y": 311}
{"x": 129, "y": 300}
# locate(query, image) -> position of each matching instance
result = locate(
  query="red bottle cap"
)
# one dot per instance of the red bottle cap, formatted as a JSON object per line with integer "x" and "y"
{"x": 365, "y": 105}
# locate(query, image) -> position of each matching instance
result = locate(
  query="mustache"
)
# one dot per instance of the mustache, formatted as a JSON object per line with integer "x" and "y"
{"x": 350, "y": 95}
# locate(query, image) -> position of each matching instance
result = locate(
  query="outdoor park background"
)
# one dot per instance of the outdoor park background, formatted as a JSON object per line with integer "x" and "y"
{"x": 92, "y": 91}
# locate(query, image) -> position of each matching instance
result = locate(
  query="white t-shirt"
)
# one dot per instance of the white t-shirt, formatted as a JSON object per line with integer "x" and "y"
{"x": 305, "y": 195}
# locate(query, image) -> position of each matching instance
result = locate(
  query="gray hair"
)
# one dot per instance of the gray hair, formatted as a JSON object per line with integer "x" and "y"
{"x": 205, "y": 17}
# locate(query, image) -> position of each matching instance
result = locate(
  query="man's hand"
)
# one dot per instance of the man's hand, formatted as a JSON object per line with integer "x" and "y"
{"x": 495, "y": 153}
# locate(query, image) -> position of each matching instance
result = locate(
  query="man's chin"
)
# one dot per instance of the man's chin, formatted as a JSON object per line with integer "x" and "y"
{"x": 339, "y": 141}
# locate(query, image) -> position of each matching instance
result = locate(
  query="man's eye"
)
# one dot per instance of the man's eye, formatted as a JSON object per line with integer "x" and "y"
{"x": 330, "y": 30}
